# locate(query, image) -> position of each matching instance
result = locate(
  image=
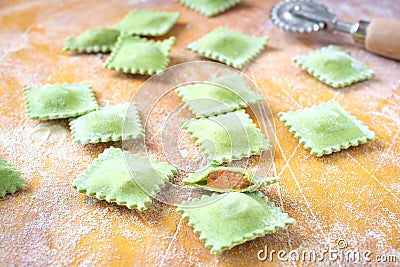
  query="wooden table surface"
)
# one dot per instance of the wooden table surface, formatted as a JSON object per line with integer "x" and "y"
{"x": 351, "y": 196}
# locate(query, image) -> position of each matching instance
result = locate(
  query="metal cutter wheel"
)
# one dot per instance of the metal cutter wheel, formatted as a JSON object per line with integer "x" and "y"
{"x": 379, "y": 36}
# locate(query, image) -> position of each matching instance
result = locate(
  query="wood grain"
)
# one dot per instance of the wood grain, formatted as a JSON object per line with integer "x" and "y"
{"x": 353, "y": 195}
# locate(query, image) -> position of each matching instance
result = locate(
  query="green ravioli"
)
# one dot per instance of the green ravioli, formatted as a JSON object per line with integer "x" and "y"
{"x": 229, "y": 47}
{"x": 229, "y": 180}
{"x": 221, "y": 95}
{"x": 227, "y": 137}
{"x": 326, "y": 128}
{"x": 111, "y": 123}
{"x": 210, "y": 8}
{"x": 10, "y": 179}
{"x": 97, "y": 40}
{"x": 147, "y": 23}
{"x": 137, "y": 55}
{"x": 125, "y": 178}
{"x": 59, "y": 101}
{"x": 226, "y": 220}
{"x": 334, "y": 67}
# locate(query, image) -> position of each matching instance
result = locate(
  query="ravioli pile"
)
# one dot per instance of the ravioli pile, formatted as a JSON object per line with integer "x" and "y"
{"x": 225, "y": 132}
{"x": 129, "y": 52}
{"x": 89, "y": 123}
{"x": 132, "y": 53}
{"x": 222, "y": 129}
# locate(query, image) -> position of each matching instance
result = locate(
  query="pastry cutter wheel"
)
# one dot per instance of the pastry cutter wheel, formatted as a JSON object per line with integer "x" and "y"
{"x": 380, "y": 36}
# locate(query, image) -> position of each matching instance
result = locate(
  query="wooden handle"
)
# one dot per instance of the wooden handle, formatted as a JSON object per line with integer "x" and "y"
{"x": 383, "y": 37}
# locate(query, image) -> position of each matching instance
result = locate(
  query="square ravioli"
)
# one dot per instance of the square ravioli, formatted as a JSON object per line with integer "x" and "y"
{"x": 227, "y": 137}
{"x": 56, "y": 101}
{"x": 125, "y": 178}
{"x": 111, "y": 123}
{"x": 326, "y": 128}
{"x": 221, "y": 95}
{"x": 97, "y": 40}
{"x": 229, "y": 47}
{"x": 210, "y": 8}
{"x": 147, "y": 23}
{"x": 226, "y": 220}
{"x": 136, "y": 55}
{"x": 10, "y": 179}
{"x": 334, "y": 67}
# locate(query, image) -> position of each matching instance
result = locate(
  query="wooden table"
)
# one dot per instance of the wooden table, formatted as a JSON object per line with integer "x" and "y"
{"x": 351, "y": 197}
